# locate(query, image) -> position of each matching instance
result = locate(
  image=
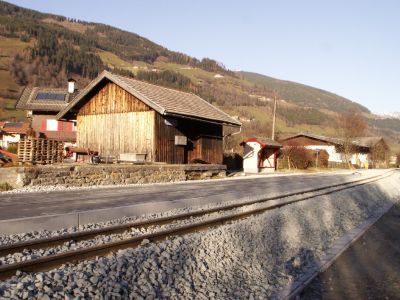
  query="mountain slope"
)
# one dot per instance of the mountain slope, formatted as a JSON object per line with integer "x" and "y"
{"x": 44, "y": 49}
{"x": 304, "y": 95}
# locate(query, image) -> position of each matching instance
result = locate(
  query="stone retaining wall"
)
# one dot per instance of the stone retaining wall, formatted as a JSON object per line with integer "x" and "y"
{"x": 88, "y": 175}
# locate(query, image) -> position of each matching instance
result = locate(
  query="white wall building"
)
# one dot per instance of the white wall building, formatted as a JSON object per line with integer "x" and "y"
{"x": 12, "y": 132}
{"x": 332, "y": 147}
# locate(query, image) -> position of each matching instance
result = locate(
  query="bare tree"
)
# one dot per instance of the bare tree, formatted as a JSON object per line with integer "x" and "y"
{"x": 297, "y": 156}
{"x": 380, "y": 154}
{"x": 349, "y": 126}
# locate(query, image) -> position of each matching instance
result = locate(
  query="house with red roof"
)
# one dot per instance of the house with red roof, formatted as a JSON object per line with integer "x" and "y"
{"x": 42, "y": 105}
{"x": 12, "y": 132}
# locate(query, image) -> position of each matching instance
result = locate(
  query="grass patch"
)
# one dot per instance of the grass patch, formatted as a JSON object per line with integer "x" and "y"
{"x": 7, "y": 82}
{"x": 8, "y": 111}
{"x": 8, "y": 104}
{"x": 395, "y": 148}
{"x": 9, "y": 46}
{"x": 113, "y": 60}
{"x": 194, "y": 74}
{"x": 74, "y": 26}
{"x": 5, "y": 186}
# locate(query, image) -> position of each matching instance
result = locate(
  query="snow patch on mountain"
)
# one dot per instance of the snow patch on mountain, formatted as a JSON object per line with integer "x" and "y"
{"x": 388, "y": 115}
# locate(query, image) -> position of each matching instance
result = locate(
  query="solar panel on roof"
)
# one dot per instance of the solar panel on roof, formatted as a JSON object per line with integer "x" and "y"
{"x": 12, "y": 125}
{"x": 50, "y": 96}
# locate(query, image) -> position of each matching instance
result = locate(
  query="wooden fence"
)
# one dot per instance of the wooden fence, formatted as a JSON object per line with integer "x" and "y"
{"x": 40, "y": 151}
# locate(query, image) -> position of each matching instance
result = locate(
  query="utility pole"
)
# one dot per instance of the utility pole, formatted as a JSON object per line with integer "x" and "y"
{"x": 273, "y": 118}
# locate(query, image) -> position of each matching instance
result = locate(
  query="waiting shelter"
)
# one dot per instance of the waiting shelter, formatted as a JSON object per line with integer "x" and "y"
{"x": 260, "y": 155}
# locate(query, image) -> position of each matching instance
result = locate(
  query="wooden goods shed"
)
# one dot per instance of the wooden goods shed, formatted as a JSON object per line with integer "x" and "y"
{"x": 117, "y": 115}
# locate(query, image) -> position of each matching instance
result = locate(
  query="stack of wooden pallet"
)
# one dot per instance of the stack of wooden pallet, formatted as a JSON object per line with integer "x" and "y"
{"x": 40, "y": 151}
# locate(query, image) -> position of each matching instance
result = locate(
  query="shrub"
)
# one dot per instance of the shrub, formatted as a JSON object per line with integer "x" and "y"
{"x": 12, "y": 149}
{"x": 323, "y": 159}
{"x": 233, "y": 161}
{"x": 299, "y": 157}
{"x": 5, "y": 186}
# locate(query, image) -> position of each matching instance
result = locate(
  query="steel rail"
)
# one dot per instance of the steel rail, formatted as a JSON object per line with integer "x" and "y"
{"x": 85, "y": 235}
{"x": 52, "y": 261}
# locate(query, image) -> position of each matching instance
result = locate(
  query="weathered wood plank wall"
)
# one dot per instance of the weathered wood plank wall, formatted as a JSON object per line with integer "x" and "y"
{"x": 112, "y": 99}
{"x": 211, "y": 148}
{"x": 204, "y": 141}
{"x": 112, "y": 134}
{"x": 113, "y": 122}
{"x": 165, "y": 149}
{"x": 207, "y": 142}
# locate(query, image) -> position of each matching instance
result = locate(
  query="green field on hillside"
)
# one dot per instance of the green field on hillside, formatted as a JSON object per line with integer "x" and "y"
{"x": 9, "y": 89}
{"x": 61, "y": 47}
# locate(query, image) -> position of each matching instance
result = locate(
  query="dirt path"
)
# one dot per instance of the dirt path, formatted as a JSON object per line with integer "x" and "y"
{"x": 369, "y": 269}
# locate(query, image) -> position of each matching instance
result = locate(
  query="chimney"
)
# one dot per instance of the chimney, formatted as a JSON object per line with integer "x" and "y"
{"x": 71, "y": 85}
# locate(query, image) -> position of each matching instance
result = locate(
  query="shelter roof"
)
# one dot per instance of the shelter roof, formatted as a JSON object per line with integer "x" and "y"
{"x": 265, "y": 142}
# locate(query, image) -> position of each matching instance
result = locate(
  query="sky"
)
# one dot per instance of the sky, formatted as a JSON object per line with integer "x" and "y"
{"x": 348, "y": 47}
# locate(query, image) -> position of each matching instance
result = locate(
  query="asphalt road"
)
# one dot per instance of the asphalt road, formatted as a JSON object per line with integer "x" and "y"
{"x": 22, "y": 205}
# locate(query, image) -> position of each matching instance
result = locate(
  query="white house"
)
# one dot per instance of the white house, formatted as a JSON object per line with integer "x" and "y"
{"x": 12, "y": 132}
{"x": 332, "y": 146}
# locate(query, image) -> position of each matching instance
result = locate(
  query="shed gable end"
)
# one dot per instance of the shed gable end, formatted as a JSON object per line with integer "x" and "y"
{"x": 112, "y": 122}
{"x": 110, "y": 98}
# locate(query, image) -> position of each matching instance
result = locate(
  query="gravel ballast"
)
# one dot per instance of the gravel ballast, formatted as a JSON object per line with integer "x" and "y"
{"x": 6, "y": 239}
{"x": 253, "y": 258}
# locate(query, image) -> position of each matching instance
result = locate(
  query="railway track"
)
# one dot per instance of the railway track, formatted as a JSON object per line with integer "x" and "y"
{"x": 231, "y": 212}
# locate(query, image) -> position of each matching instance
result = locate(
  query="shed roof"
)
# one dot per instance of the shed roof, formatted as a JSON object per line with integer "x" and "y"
{"x": 44, "y": 99}
{"x": 166, "y": 101}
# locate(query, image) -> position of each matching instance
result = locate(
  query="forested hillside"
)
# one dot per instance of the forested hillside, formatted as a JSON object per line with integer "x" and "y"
{"x": 41, "y": 49}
